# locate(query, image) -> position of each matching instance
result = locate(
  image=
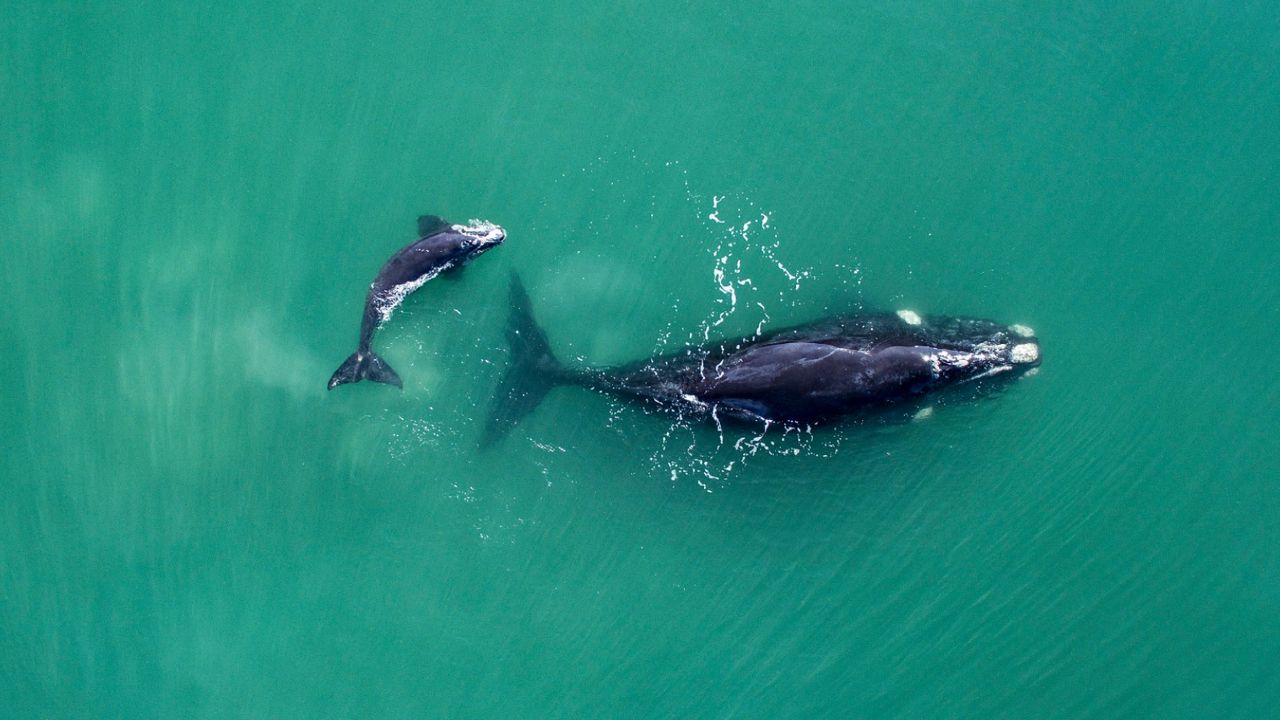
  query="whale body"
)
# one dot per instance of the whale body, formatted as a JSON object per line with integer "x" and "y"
{"x": 799, "y": 376}
{"x": 440, "y": 247}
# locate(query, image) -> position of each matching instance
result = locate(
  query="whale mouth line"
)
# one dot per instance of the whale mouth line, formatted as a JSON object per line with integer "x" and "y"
{"x": 483, "y": 231}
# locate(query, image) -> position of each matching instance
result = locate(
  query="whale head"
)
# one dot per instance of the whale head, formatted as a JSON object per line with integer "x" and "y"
{"x": 467, "y": 242}
{"x": 962, "y": 350}
{"x": 967, "y": 350}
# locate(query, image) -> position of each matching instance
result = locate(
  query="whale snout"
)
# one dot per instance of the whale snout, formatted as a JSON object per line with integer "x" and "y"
{"x": 1024, "y": 350}
{"x": 483, "y": 233}
{"x": 495, "y": 238}
{"x": 1025, "y": 353}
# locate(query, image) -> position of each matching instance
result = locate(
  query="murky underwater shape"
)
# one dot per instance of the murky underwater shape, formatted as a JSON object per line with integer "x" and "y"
{"x": 196, "y": 197}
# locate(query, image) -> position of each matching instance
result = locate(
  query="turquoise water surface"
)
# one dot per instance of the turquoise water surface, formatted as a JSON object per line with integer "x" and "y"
{"x": 195, "y": 197}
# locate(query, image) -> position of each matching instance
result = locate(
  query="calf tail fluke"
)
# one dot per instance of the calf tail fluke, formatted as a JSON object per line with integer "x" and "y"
{"x": 364, "y": 366}
{"x": 533, "y": 370}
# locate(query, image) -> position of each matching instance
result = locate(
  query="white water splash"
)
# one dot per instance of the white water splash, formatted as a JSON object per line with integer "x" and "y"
{"x": 482, "y": 230}
{"x": 743, "y": 235}
{"x": 752, "y": 272}
{"x": 386, "y": 302}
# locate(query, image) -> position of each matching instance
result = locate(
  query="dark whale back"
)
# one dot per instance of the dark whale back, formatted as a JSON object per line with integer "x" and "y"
{"x": 799, "y": 375}
{"x": 440, "y": 247}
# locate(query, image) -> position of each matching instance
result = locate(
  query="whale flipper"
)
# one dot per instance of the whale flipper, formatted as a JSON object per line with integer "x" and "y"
{"x": 362, "y": 366}
{"x": 431, "y": 224}
{"x": 533, "y": 371}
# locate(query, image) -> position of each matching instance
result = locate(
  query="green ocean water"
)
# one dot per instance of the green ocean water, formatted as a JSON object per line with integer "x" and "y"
{"x": 195, "y": 196}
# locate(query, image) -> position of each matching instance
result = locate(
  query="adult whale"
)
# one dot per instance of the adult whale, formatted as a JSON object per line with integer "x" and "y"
{"x": 798, "y": 376}
{"x": 441, "y": 246}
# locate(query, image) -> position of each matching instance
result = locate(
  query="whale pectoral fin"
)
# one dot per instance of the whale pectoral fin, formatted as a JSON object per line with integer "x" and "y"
{"x": 453, "y": 273}
{"x": 431, "y": 224}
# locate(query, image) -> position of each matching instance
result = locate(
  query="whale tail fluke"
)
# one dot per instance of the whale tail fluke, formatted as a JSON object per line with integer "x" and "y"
{"x": 533, "y": 371}
{"x": 364, "y": 366}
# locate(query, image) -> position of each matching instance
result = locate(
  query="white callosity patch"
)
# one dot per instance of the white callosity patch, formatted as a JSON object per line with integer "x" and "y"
{"x": 945, "y": 358}
{"x": 996, "y": 357}
{"x": 1025, "y": 353}
{"x": 1022, "y": 330}
{"x": 910, "y": 317}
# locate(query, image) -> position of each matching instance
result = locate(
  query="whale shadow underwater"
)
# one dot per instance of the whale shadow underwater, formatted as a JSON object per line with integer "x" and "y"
{"x": 801, "y": 376}
{"x": 441, "y": 247}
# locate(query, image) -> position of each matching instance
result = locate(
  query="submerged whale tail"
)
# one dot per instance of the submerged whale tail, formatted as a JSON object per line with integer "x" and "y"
{"x": 533, "y": 370}
{"x": 360, "y": 366}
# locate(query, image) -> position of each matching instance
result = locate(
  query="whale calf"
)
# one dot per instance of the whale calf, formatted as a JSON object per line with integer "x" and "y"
{"x": 799, "y": 376}
{"x": 440, "y": 247}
